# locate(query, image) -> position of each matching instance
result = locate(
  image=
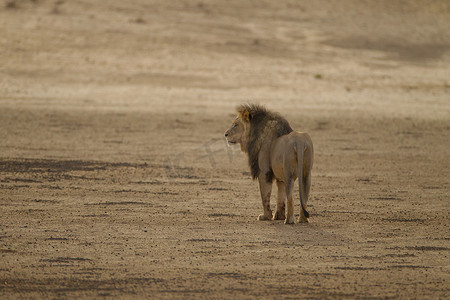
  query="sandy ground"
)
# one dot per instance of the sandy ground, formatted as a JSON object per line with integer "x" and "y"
{"x": 116, "y": 182}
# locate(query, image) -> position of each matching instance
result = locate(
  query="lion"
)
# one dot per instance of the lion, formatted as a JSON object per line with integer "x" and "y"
{"x": 275, "y": 152}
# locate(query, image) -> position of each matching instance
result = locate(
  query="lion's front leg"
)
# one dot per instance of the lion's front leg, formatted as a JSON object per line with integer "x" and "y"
{"x": 265, "y": 189}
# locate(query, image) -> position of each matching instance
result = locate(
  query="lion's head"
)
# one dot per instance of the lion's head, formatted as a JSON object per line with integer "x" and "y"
{"x": 236, "y": 132}
{"x": 239, "y": 130}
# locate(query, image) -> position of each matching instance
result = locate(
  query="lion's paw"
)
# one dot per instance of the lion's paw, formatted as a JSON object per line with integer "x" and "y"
{"x": 264, "y": 218}
{"x": 279, "y": 216}
{"x": 290, "y": 220}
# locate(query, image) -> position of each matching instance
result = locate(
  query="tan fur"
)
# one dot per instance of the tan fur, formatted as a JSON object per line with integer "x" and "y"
{"x": 277, "y": 152}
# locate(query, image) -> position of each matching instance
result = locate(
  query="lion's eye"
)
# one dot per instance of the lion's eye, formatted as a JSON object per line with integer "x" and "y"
{"x": 234, "y": 125}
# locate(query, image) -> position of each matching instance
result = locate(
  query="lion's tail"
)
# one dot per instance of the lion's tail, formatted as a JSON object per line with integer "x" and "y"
{"x": 300, "y": 154}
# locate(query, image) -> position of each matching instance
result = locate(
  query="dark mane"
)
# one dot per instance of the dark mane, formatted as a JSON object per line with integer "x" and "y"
{"x": 259, "y": 118}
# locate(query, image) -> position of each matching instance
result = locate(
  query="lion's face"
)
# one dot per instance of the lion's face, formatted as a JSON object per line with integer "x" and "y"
{"x": 236, "y": 132}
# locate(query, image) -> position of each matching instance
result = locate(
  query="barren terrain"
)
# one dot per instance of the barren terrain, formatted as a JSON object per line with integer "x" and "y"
{"x": 115, "y": 179}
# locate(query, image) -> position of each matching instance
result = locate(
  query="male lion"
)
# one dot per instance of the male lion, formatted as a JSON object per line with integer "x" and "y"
{"x": 277, "y": 152}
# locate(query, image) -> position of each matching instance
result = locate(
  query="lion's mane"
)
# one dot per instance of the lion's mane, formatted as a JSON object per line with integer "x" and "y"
{"x": 265, "y": 126}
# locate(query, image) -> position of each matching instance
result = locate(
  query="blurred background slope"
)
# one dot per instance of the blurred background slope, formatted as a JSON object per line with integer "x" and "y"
{"x": 150, "y": 55}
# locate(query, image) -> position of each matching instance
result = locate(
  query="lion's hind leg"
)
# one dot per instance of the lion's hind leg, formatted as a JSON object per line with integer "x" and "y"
{"x": 280, "y": 214}
{"x": 290, "y": 219}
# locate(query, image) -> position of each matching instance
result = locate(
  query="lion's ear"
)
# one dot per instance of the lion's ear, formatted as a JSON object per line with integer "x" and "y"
{"x": 244, "y": 113}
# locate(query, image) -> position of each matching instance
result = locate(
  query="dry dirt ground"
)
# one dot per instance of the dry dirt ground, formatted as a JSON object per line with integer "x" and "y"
{"x": 116, "y": 182}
